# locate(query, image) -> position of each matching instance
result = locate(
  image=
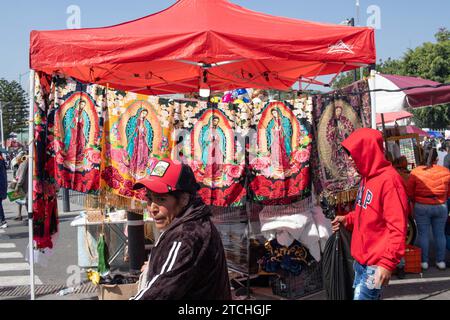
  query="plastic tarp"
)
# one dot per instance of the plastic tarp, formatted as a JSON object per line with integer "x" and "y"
{"x": 203, "y": 41}
{"x": 435, "y": 134}
{"x": 338, "y": 272}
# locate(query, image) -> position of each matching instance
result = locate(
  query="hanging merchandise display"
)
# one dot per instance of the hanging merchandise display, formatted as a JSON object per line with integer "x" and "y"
{"x": 293, "y": 258}
{"x": 45, "y": 211}
{"x": 279, "y": 160}
{"x": 336, "y": 116}
{"x": 103, "y": 255}
{"x": 137, "y": 133}
{"x": 208, "y": 138}
{"x": 78, "y": 120}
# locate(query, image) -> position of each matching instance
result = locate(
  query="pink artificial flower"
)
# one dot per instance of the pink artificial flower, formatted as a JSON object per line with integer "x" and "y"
{"x": 260, "y": 163}
{"x": 234, "y": 172}
{"x": 304, "y": 156}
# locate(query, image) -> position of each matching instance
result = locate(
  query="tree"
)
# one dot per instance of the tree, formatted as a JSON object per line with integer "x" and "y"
{"x": 15, "y": 107}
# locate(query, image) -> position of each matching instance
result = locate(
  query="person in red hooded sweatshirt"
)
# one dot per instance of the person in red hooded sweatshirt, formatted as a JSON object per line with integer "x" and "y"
{"x": 379, "y": 221}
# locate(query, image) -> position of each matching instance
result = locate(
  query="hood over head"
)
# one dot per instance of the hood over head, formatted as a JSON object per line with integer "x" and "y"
{"x": 367, "y": 150}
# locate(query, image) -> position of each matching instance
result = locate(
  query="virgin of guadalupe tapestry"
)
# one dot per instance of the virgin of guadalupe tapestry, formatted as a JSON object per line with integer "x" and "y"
{"x": 207, "y": 139}
{"x": 78, "y": 115}
{"x": 137, "y": 132}
{"x": 280, "y": 152}
{"x": 336, "y": 116}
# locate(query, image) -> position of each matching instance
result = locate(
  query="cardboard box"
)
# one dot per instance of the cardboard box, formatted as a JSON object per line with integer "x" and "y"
{"x": 118, "y": 291}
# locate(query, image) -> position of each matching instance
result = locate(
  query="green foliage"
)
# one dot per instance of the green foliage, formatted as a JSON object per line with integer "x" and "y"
{"x": 15, "y": 107}
{"x": 437, "y": 117}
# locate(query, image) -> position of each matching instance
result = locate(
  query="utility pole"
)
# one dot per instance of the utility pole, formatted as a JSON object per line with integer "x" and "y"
{"x": 358, "y": 24}
{"x": 1, "y": 125}
{"x": 358, "y": 13}
{"x": 351, "y": 23}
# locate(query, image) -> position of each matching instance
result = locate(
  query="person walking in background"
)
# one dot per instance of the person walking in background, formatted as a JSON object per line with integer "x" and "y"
{"x": 380, "y": 218}
{"x": 429, "y": 189}
{"x": 3, "y": 190}
{"x": 447, "y": 165}
{"x": 22, "y": 183}
{"x": 447, "y": 157}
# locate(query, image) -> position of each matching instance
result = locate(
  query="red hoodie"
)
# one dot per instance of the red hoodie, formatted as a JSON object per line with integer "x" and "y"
{"x": 379, "y": 220}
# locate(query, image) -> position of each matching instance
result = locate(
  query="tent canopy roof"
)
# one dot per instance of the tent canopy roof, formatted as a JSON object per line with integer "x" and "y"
{"x": 393, "y": 116}
{"x": 177, "y": 49}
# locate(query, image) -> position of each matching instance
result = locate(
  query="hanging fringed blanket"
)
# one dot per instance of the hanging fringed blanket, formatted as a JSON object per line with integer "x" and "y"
{"x": 78, "y": 132}
{"x": 336, "y": 116}
{"x": 137, "y": 131}
{"x": 45, "y": 202}
{"x": 209, "y": 138}
{"x": 280, "y": 154}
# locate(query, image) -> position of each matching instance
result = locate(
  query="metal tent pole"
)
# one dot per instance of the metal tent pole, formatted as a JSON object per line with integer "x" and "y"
{"x": 30, "y": 184}
{"x": 373, "y": 96}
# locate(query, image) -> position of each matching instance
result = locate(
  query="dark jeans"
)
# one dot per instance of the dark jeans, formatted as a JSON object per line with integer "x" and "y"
{"x": 2, "y": 213}
{"x": 434, "y": 216}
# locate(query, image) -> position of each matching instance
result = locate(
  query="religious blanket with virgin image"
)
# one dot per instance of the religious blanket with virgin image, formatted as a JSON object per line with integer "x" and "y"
{"x": 336, "y": 116}
{"x": 210, "y": 138}
{"x": 137, "y": 132}
{"x": 280, "y": 152}
{"x": 78, "y": 131}
{"x": 141, "y": 129}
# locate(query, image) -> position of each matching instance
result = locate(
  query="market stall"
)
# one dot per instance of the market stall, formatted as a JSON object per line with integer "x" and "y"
{"x": 105, "y": 80}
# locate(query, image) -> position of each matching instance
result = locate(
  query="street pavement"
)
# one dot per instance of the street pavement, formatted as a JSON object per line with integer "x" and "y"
{"x": 61, "y": 270}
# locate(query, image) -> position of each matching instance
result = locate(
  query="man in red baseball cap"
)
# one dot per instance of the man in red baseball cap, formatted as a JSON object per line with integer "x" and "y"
{"x": 188, "y": 261}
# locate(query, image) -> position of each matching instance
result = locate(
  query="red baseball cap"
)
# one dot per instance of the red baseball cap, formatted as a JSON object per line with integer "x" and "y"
{"x": 168, "y": 176}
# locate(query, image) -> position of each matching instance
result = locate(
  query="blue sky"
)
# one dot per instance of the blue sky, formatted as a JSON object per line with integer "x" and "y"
{"x": 404, "y": 24}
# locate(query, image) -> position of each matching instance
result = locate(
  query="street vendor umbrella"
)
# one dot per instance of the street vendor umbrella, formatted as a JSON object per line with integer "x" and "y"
{"x": 401, "y": 92}
{"x": 416, "y": 130}
{"x": 393, "y": 116}
{"x": 338, "y": 273}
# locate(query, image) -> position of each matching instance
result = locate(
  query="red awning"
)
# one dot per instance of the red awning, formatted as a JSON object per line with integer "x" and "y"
{"x": 421, "y": 97}
{"x": 416, "y": 130}
{"x": 393, "y": 116}
{"x": 170, "y": 51}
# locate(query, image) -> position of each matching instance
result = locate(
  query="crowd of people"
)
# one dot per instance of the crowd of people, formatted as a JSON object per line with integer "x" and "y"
{"x": 188, "y": 260}
{"x": 429, "y": 190}
{"x": 19, "y": 184}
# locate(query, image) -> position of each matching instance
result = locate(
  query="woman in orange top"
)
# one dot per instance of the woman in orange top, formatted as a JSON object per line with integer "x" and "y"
{"x": 429, "y": 189}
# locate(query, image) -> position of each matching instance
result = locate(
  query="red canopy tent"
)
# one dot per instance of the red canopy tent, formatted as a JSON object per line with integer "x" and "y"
{"x": 196, "y": 44}
{"x": 197, "y": 41}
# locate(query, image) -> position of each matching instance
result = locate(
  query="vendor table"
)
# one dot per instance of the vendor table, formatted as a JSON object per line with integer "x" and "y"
{"x": 115, "y": 226}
